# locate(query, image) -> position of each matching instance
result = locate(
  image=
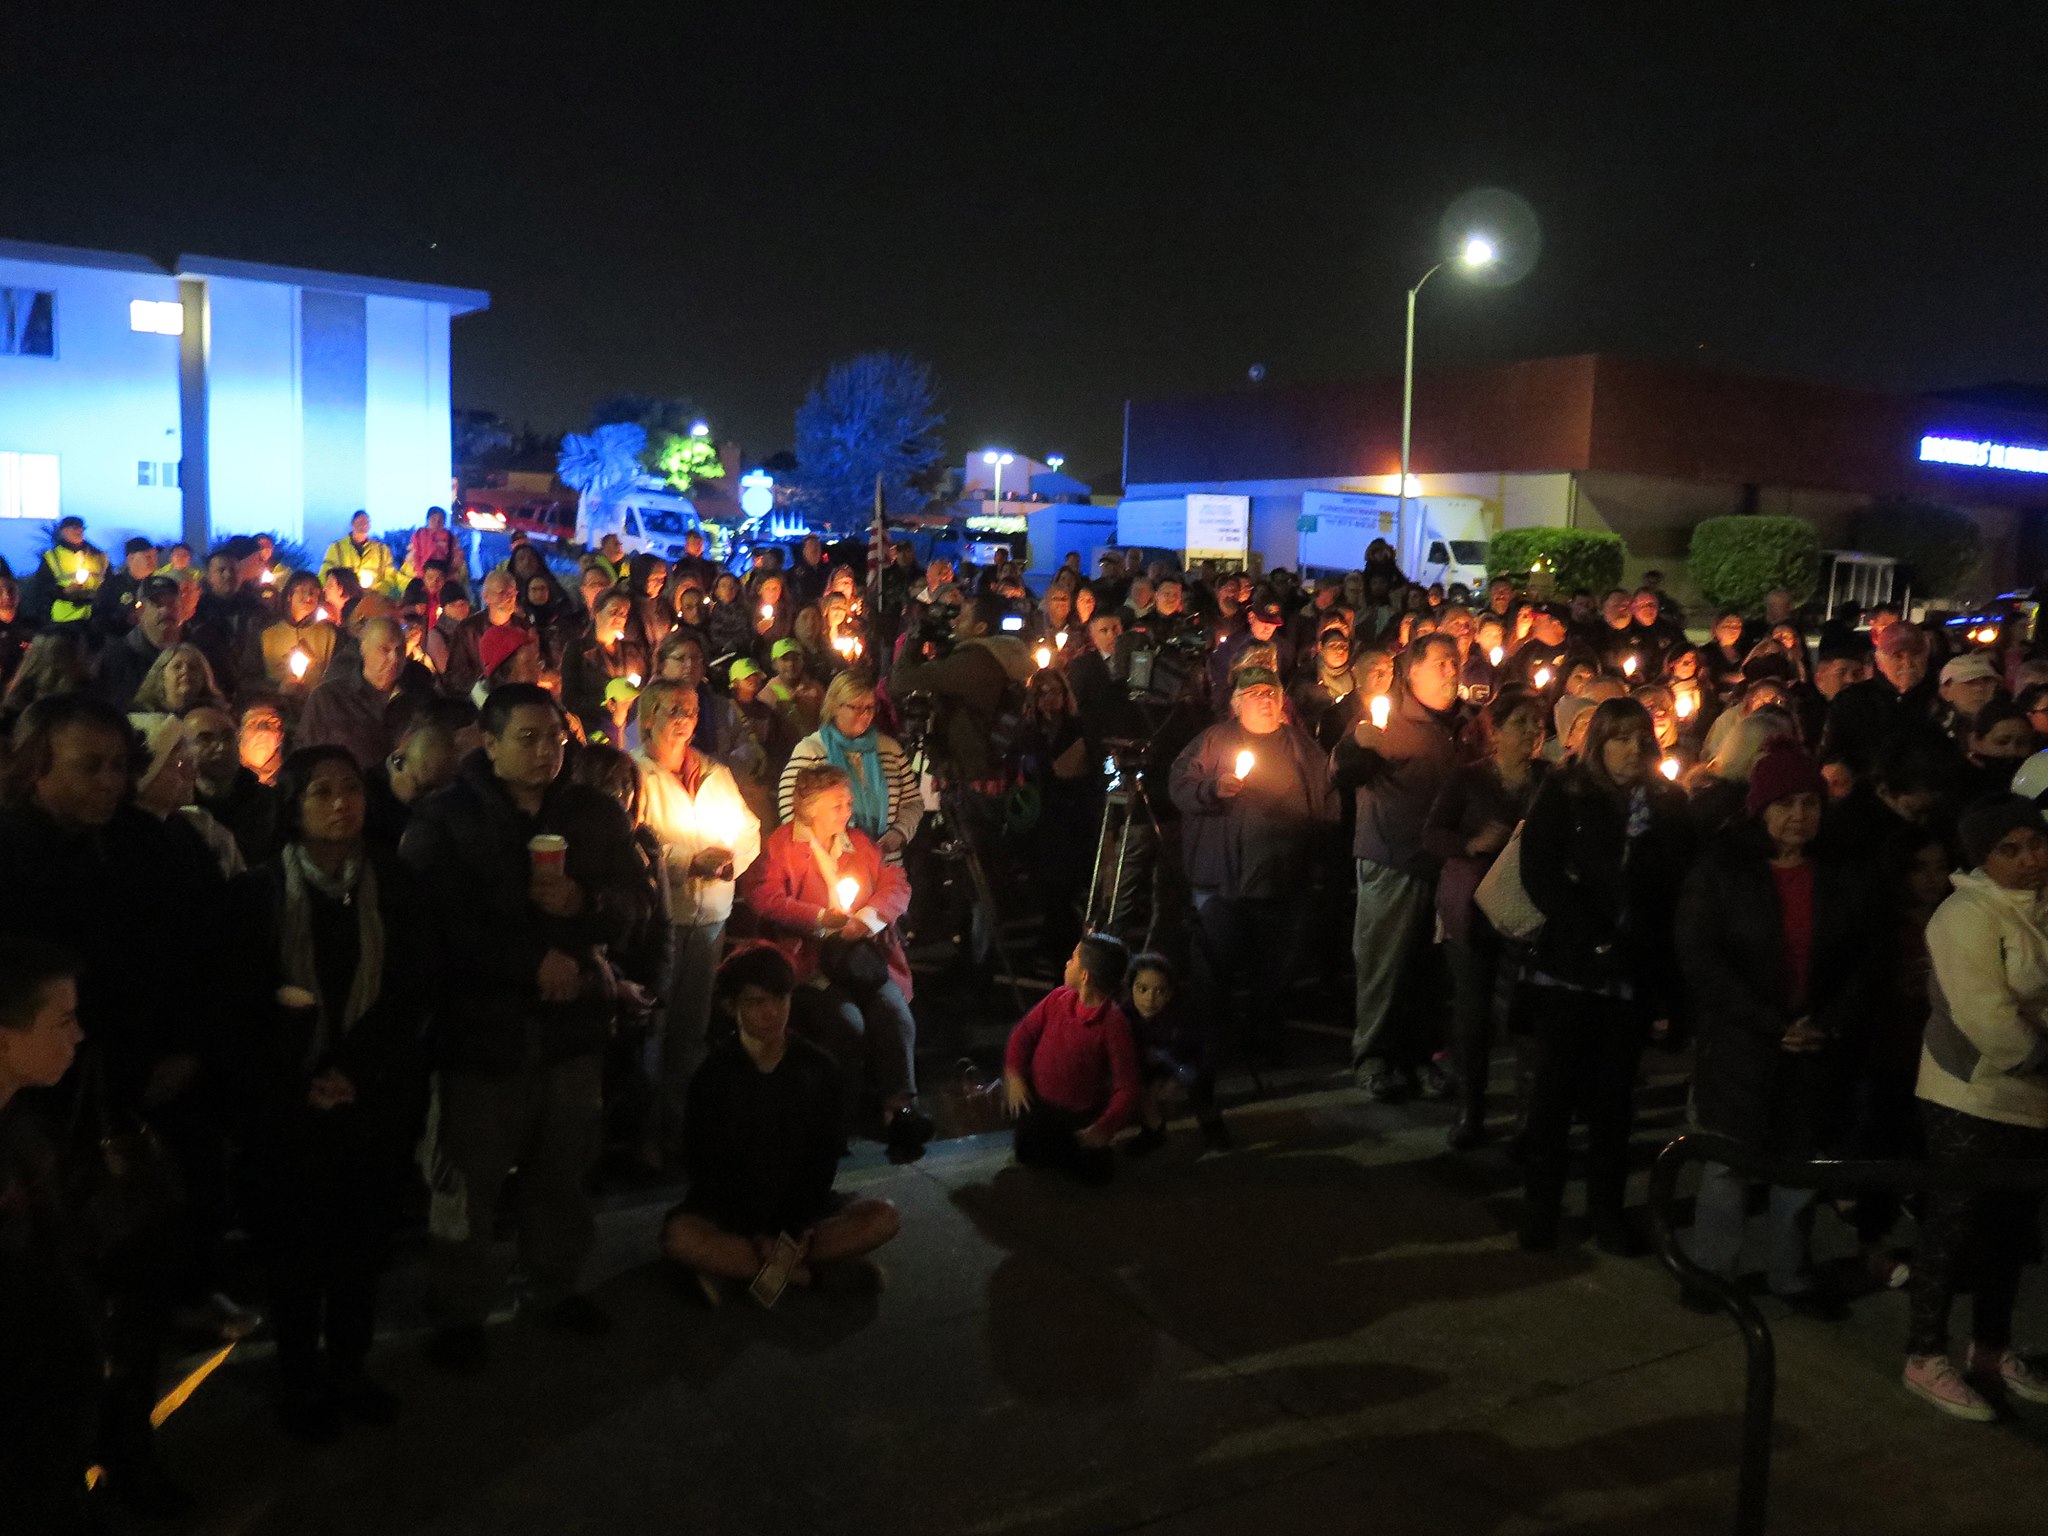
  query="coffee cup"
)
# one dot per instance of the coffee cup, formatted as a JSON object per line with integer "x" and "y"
{"x": 550, "y": 853}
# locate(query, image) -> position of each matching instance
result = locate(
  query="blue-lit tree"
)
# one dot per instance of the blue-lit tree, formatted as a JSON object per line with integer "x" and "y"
{"x": 873, "y": 415}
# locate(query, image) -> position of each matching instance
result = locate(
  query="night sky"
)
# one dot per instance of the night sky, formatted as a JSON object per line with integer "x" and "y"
{"x": 1058, "y": 208}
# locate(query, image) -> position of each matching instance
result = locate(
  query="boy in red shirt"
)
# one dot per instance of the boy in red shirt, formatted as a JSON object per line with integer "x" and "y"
{"x": 1071, "y": 1071}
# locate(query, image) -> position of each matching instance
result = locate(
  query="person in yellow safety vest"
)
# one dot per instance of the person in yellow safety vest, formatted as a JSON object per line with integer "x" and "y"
{"x": 74, "y": 570}
{"x": 370, "y": 559}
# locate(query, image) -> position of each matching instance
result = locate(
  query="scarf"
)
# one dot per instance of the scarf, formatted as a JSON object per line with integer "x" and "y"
{"x": 861, "y": 758}
{"x": 357, "y": 887}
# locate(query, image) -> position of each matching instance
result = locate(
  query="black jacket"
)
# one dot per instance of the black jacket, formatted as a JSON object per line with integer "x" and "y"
{"x": 1731, "y": 951}
{"x": 249, "y": 811}
{"x": 1607, "y": 905}
{"x": 1864, "y": 713}
{"x": 1261, "y": 843}
{"x": 1395, "y": 776}
{"x": 467, "y": 844}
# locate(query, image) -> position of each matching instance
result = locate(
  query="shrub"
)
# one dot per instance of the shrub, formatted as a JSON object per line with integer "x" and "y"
{"x": 1574, "y": 557}
{"x": 1942, "y": 546}
{"x": 1736, "y": 561}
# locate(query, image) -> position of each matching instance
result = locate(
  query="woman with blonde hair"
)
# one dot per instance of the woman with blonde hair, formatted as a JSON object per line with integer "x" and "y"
{"x": 179, "y": 681}
{"x": 885, "y": 800}
{"x": 1719, "y": 788}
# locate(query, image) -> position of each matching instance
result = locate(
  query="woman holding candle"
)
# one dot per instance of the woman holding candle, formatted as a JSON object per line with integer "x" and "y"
{"x": 853, "y": 979}
{"x": 301, "y": 632}
{"x": 1604, "y": 848}
{"x": 709, "y": 837}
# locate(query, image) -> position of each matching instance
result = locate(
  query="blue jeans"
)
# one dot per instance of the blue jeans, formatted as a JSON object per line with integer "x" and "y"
{"x": 1721, "y": 1217}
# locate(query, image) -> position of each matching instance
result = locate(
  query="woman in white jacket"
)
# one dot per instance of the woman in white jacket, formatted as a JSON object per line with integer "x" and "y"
{"x": 885, "y": 801}
{"x": 1984, "y": 1094}
{"x": 708, "y": 838}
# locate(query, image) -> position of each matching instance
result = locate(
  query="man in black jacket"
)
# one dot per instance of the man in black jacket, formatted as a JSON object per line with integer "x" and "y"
{"x": 527, "y": 1009}
{"x": 1900, "y": 697}
{"x": 1395, "y": 772}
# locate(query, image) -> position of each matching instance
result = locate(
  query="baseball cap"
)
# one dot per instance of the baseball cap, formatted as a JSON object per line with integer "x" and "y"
{"x": 782, "y": 648}
{"x": 1254, "y": 677}
{"x": 1968, "y": 669}
{"x": 1268, "y": 613}
{"x": 744, "y": 668}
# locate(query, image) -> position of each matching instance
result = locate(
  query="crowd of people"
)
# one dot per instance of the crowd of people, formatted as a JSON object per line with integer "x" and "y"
{"x": 482, "y": 890}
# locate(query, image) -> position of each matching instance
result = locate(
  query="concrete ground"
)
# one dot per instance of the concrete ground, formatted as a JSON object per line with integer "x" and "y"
{"x": 1328, "y": 1328}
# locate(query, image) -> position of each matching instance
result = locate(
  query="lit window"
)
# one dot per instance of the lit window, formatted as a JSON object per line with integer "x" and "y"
{"x": 145, "y": 472}
{"x": 28, "y": 485}
{"x": 27, "y": 322}
{"x": 159, "y": 317}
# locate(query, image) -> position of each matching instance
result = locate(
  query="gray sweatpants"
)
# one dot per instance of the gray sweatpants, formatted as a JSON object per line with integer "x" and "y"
{"x": 1384, "y": 929}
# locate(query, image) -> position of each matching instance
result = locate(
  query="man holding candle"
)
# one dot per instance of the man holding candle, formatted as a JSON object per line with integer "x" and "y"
{"x": 366, "y": 561}
{"x": 1395, "y": 772}
{"x": 709, "y": 838}
{"x": 527, "y": 1008}
{"x": 1254, "y": 798}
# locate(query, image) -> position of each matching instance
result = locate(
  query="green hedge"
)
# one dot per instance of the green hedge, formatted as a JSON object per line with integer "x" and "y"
{"x": 1573, "y": 557}
{"x": 1736, "y": 561}
{"x": 1942, "y": 546}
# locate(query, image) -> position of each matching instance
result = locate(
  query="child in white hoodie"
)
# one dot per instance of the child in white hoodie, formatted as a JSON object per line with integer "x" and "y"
{"x": 1984, "y": 1092}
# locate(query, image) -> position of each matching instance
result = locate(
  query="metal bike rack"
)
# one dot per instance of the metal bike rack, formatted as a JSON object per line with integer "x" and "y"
{"x": 1753, "y": 1487}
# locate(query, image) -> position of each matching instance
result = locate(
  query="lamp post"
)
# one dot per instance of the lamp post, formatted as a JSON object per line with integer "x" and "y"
{"x": 1477, "y": 252}
{"x": 998, "y": 460}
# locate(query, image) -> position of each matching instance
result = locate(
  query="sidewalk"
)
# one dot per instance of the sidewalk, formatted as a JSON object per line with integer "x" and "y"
{"x": 1328, "y": 1329}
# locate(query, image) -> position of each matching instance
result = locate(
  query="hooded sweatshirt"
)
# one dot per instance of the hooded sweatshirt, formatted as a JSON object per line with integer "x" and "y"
{"x": 1986, "y": 1048}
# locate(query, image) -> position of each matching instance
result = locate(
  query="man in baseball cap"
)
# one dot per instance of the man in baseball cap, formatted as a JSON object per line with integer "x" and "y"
{"x": 1900, "y": 696}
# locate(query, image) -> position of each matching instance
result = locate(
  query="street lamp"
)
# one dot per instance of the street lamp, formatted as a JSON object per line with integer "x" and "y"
{"x": 1476, "y": 254}
{"x": 700, "y": 429}
{"x": 997, "y": 459}
{"x": 1055, "y": 461}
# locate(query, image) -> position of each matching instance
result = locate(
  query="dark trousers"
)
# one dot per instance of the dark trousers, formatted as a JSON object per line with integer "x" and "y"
{"x": 1973, "y": 1240}
{"x": 1587, "y": 1047}
{"x": 1474, "y": 964}
{"x": 1046, "y": 1139}
{"x": 1246, "y": 942}
{"x": 322, "y": 1212}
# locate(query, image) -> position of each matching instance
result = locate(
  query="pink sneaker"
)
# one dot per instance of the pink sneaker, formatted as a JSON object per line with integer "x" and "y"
{"x": 2010, "y": 1367}
{"x": 1936, "y": 1378}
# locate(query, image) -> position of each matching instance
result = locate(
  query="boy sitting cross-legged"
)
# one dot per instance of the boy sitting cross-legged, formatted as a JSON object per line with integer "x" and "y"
{"x": 762, "y": 1140}
{"x": 1070, "y": 1072}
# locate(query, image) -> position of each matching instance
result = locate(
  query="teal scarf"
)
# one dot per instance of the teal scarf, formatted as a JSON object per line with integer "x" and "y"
{"x": 870, "y": 784}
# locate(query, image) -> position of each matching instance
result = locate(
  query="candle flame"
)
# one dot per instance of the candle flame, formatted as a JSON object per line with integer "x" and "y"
{"x": 1543, "y": 677}
{"x": 1043, "y": 655}
{"x": 1628, "y": 666}
{"x": 768, "y": 611}
{"x": 1382, "y": 709}
{"x": 1496, "y": 655}
{"x": 1684, "y": 705}
{"x": 633, "y": 678}
{"x": 299, "y": 662}
{"x": 362, "y": 577}
{"x": 1244, "y": 765}
{"x": 1059, "y": 641}
{"x": 1669, "y": 768}
{"x": 269, "y": 578}
{"x": 849, "y": 892}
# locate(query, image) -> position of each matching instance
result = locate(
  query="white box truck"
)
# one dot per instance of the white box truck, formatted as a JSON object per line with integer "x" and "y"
{"x": 1445, "y": 540}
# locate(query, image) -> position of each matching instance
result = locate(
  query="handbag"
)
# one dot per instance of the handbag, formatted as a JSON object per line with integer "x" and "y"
{"x": 970, "y": 1104}
{"x": 857, "y": 966}
{"x": 1504, "y": 899}
{"x": 128, "y": 1189}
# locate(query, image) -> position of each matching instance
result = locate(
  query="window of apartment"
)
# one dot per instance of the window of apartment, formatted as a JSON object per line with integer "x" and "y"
{"x": 158, "y": 472}
{"x": 28, "y": 485}
{"x": 159, "y": 317}
{"x": 28, "y": 326}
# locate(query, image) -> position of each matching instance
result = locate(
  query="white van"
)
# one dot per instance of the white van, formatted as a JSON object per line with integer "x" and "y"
{"x": 646, "y": 521}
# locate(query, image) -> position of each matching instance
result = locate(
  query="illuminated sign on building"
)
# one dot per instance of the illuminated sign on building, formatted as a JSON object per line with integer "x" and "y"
{"x": 1974, "y": 454}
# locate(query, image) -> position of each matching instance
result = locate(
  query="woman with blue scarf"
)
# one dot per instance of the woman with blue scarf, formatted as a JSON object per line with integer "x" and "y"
{"x": 885, "y": 800}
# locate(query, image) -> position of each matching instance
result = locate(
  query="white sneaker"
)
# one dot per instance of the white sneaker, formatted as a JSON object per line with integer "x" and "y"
{"x": 2009, "y": 1367}
{"x": 1935, "y": 1378}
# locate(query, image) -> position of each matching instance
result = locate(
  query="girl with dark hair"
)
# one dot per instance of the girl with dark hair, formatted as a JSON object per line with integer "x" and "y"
{"x": 329, "y": 1003}
{"x": 1604, "y": 848}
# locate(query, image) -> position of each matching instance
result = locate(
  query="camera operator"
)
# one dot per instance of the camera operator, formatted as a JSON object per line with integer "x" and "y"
{"x": 968, "y": 671}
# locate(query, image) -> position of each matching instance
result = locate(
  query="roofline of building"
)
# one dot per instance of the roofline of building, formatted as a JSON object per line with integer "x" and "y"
{"x": 460, "y": 301}
{"x": 78, "y": 256}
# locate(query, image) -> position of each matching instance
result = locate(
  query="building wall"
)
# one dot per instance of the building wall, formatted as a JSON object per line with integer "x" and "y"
{"x": 107, "y": 400}
{"x": 255, "y": 480}
{"x": 406, "y": 412}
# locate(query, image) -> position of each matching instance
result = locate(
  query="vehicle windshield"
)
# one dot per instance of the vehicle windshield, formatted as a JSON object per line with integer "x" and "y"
{"x": 1469, "y": 551}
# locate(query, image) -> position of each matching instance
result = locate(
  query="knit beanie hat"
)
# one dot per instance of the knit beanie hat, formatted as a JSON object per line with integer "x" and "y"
{"x": 161, "y": 735}
{"x": 1985, "y": 825}
{"x": 499, "y": 643}
{"x": 1786, "y": 768}
{"x": 1567, "y": 713}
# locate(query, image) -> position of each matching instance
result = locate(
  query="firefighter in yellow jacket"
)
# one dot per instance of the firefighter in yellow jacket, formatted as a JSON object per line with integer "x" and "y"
{"x": 72, "y": 573}
{"x": 369, "y": 559}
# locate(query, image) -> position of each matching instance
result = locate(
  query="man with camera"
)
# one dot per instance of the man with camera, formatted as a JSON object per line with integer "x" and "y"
{"x": 961, "y": 657}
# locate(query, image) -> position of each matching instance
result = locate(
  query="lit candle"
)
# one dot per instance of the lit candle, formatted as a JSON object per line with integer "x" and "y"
{"x": 1382, "y": 707}
{"x": 1543, "y": 677}
{"x": 78, "y": 576}
{"x": 299, "y": 662}
{"x": 1243, "y": 766}
{"x": 1043, "y": 655}
{"x": 633, "y": 678}
{"x": 1669, "y": 768}
{"x": 849, "y": 892}
{"x": 362, "y": 577}
{"x": 1684, "y": 705}
{"x": 1496, "y": 655}
{"x": 767, "y": 613}
{"x": 1628, "y": 666}
{"x": 1059, "y": 641}
{"x": 269, "y": 578}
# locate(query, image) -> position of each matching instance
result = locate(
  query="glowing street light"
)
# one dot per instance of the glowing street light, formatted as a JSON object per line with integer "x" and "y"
{"x": 1475, "y": 255}
{"x": 998, "y": 459}
{"x": 1055, "y": 462}
{"x": 700, "y": 429}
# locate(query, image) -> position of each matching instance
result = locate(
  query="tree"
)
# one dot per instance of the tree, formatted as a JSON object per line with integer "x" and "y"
{"x": 603, "y": 463}
{"x": 1574, "y": 557}
{"x": 1738, "y": 561}
{"x": 873, "y": 415}
{"x": 1941, "y": 546}
{"x": 679, "y": 448}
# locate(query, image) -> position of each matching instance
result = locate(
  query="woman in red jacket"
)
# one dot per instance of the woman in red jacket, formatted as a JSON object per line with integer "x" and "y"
{"x": 828, "y": 899}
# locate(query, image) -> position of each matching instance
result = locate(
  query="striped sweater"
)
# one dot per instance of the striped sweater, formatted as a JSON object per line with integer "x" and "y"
{"x": 906, "y": 810}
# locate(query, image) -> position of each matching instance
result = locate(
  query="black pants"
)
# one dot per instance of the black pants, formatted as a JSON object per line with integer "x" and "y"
{"x": 1973, "y": 1240}
{"x": 1247, "y": 942}
{"x": 1474, "y": 964}
{"x": 322, "y": 1206}
{"x": 1587, "y": 1047}
{"x": 1046, "y": 1139}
